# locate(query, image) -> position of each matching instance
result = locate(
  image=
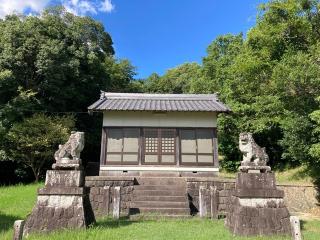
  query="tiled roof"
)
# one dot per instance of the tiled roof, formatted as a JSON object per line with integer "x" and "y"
{"x": 158, "y": 102}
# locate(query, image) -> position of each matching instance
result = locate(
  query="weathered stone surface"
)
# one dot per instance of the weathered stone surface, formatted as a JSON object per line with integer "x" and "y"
{"x": 214, "y": 203}
{"x": 255, "y": 181}
{"x": 18, "y": 229}
{"x": 53, "y": 212}
{"x": 300, "y": 198}
{"x": 61, "y": 191}
{"x": 72, "y": 148}
{"x": 260, "y": 193}
{"x": 202, "y": 202}
{"x": 295, "y": 228}
{"x": 116, "y": 203}
{"x": 257, "y": 207}
{"x": 102, "y": 193}
{"x": 62, "y": 203}
{"x": 253, "y": 154}
{"x": 64, "y": 178}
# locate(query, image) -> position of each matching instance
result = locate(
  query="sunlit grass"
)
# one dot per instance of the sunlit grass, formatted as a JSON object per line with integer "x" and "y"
{"x": 297, "y": 176}
{"x": 16, "y": 202}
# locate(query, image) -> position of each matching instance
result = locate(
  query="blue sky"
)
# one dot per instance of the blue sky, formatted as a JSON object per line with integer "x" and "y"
{"x": 156, "y": 35}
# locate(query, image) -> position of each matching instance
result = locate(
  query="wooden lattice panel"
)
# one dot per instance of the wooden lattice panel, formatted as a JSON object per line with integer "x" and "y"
{"x": 168, "y": 141}
{"x": 151, "y": 141}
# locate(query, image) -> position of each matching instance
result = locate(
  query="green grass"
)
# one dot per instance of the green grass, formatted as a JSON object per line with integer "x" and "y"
{"x": 17, "y": 201}
{"x": 297, "y": 176}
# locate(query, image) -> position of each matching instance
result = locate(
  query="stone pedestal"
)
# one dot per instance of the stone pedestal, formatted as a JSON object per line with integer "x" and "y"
{"x": 257, "y": 206}
{"x": 62, "y": 203}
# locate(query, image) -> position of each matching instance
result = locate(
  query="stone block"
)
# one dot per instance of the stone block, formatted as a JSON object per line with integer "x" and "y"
{"x": 61, "y": 191}
{"x": 295, "y": 228}
{"x": 18, "y": 229}
{"x": 258, "y": 193}
{"x": 64, "y": 178}
{"x": 257, "y": 206}
{"x": 256, "y": 180}
{"x": 214, "y": 203}
{"x": 116, "y": 202}
{"x": 62, "y": 203}
{"x": 202, "y": 201}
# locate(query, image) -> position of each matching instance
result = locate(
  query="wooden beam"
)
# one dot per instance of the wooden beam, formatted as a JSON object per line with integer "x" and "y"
{"x": 103, "y": 147}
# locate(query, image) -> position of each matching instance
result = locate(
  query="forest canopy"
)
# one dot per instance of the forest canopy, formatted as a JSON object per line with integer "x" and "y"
{"x": 57, "y": 63}
{"x": 270, "y": 78}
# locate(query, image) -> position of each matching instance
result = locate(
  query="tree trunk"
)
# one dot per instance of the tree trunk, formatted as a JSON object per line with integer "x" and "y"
{"x": 35, "y": 174}
{"x": 36, "y": 178}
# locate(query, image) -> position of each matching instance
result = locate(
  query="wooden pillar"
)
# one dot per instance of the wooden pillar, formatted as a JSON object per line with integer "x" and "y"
{"x": 116, "y": 202}
{"x": 214, "y": 200}
{"x": 202, "y": 202}
{"x": 103, "y": 147}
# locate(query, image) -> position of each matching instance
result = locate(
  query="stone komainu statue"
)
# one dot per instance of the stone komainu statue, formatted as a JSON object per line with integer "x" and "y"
{"x": 253, "y": 154}
{"x": 72, "y": 148}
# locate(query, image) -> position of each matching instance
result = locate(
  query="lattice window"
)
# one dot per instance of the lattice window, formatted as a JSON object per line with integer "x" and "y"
{"x": 151, "y": 141}
{"x": 159, "y": 146}
{"x": 168, "y": 141}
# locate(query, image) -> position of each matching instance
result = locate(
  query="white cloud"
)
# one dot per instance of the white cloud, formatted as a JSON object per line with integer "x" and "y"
{"x": 78, "y": 7}
{"x": 20, "y": 6}
{"x": 83, "y": 7}
{"x": 107, "y": 6}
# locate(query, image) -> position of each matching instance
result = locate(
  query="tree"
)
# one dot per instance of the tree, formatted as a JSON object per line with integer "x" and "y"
{"x": 315, "y": 147}
{"x": 57, "y": 62}
{"x": 34, "y": 140}
{"x": 270, "y": 80}
{"x": 175, "y": 80}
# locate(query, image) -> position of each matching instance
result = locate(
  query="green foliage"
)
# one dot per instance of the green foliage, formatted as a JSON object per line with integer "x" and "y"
{"x": 175, "y": 80}
{"x": 54, "y": 63}
{"x": 270, "y": 80}
{"x": 32, "y": 141}
{"x": 59, "y": 56}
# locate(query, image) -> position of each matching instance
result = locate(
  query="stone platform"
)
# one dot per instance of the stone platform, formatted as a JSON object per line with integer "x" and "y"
{"x": 257, "y": 206}
{"x": 62, "y": 203}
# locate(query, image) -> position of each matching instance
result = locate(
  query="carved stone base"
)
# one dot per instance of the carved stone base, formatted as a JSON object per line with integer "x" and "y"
{"x": 255, "y": 169}
{"x": 62, "y": 203}
{"x": 257, "y": 207}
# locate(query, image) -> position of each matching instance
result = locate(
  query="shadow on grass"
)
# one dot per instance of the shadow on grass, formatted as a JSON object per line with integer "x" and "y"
{"x": 112, "y": 223}
{"x": 302, "y": 225}
{"x": 7, "y": 221}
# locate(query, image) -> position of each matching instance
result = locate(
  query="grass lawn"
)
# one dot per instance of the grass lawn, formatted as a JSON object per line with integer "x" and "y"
{"x": 297, "y": 176}
{"x": 17, "y": 201}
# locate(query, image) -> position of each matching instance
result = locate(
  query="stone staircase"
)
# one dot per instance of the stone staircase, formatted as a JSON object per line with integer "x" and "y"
{"x": 164, "y": 197}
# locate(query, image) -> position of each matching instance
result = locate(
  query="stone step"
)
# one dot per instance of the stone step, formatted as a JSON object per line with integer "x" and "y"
{"x": 160, "y": 187}
{"x": 161, "y": 181}
{"x": 160, "y": 204}
{"x": 159, "y": 198}
{"x": 165, "y": 211}
{"x": 139, "y": 217}
{"x": 159, "y": 193}
{"x": 160, "y": 174}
